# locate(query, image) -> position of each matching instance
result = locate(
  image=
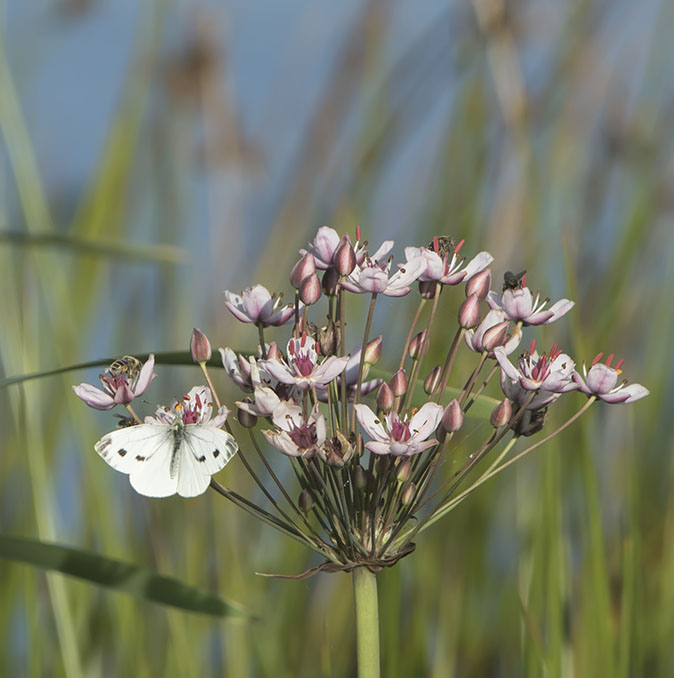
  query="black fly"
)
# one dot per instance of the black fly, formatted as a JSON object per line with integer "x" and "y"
{"x": 512, "y": 281}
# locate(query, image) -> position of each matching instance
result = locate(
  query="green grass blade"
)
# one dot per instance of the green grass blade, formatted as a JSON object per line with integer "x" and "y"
{"x": 117, "y": 575}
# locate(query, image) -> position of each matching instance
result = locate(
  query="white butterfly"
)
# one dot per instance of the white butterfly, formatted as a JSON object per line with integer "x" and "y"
{"x": 178, "y": 450}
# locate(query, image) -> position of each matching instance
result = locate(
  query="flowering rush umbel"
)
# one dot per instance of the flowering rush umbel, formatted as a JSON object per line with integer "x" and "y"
{"x": 368, "y": 454}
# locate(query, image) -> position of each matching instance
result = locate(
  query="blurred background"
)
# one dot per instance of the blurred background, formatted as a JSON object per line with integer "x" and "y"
{"x": 154, "y": 154}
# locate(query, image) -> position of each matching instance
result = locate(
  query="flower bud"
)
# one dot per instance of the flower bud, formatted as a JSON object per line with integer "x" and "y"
{"x": 417, "y": 345}
{"x": 399, "y": 383}
{"x": 432, "y": 381}
{"x": 385, "y": 397}
{"x": 373, "y": 351}
{"x": 408, "y": 494}
{"x": 495, "y": 336}
{"x": 305, "y": 501}
{"x": 382, "y": 464}
{"x": 501, "y": 414}
{"x": 427, "y": 289}
{"x": 360, "y": 478}
{"x": 330, "y": 281}
{"x": 469, "y": 313}
{"x": 310, "y": 290}
{"x": 200, "y": 347}
{"x": 344, "y": 258}
{"x": 452, "y": 419}
{"x": 274, "y": 352}
{"x": 302, "y": 269}
{"x": 404, "y": 470}
{"x": 479, "y": 284}
{"x": 246, "y": 419}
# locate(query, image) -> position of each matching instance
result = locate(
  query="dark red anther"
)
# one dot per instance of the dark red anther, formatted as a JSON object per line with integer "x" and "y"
{"x": 198, "y": 400}
{"x": 523, "y": 282}
{"x": 303, "y": 340}
{"x": 609, "y": 360}
{"x": 436, "y": 244}
{"x": 597, "y": 358}
{"x": 619, "y": 365}
{"x": 357, "y": 233}
{"x": 459, "y": 246}
{"x": 532, "y": 346}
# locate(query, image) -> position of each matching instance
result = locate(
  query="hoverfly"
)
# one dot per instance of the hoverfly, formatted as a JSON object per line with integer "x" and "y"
{"x": 511, "y": 281}
{"x": 446, "y": 244}
{"x": 125, "y": 365}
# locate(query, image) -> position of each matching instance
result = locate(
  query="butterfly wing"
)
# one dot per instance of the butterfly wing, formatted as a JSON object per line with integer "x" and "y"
{"x": 143, "y": 452}
{"x": 204, "y": 451}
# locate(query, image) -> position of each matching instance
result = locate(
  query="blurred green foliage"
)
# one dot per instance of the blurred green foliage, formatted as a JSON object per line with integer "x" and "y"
{"x": 561, "y": 165}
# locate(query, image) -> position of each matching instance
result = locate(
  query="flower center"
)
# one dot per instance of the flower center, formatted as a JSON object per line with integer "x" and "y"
{"x": 400, "y": 431}
{"x": 303, "y": 436}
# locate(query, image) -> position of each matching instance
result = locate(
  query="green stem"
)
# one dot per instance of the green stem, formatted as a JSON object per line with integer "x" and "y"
{"x": 367, "y": 622}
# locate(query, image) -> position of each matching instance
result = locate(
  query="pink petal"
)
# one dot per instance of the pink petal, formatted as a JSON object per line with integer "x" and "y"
{"x": 505, "y": 364}
{"x": 601, "y": 379}
{"x": 477, "y": 264}
{"x": 278, "y": 371}
{"x": 257, "y": 302}
{"x": 425, "y": 421}
{"x": 371, "y": 423}
{"x": 517, "y": 303}
{"x": 146, "y": 376}
{"x": 378, "y": 447}
{"x": 234, "y": 304}
{"x": 282, "y": 442}
{"x": 382, "y": 251}
{"x": 631, "y": 391}
{"x": 94, "y": 397}
{"x": 372, "y": 279}
{"x": 329, "y": 369}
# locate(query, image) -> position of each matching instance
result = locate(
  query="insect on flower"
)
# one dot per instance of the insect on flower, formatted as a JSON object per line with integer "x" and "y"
{"x": 512, "y": 281}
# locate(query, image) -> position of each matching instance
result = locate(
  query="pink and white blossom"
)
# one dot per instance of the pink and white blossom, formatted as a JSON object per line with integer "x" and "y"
{"x": 372, "y": 277}
{"x": 195, "y": 407}
{"x": 327, "y": 241}
{"x": 296, "y": 435}
{"x": 258, "y": 306}
{"x": 448, "y": 270}
{"x": 520, "y": 306}
{"x": 400, "y": 437}
{"x": 493, "y": 331}
{"x": 548, "y": 375}
{"x": 123, "y": 381}
{"x": 601, "y": 380}
{"x": 303, "y": 369}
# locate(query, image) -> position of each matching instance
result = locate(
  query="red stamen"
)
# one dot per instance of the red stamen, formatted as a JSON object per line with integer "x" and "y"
{"x": 597, "y": 358}
{"x": 459, "y": 246}
{"x": 436, "y": 244}
{"x": 532, "y": 346}
{"x": 609, "y": 360}
{"x": 197, "y": 400}
{"x": 303, "y": 340}
{"x": 358, "y": 233}
{"x": 523, "y": 282}
{"x": 553, "y": 350}
{"x": 619, "y": 365}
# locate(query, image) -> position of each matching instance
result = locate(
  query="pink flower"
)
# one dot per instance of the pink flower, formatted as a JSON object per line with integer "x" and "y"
{"x": 326, "y": 243}
{"x": 256, "y": 305}
{"x": 296, "y": 435}
{"x": 601, "y": 379}
{"x": 195, "y": 407}
{"x": 302, "y": 369}
{"x": 123, "y": 381}
{"x": 519, "y": 305}
{"x": 549, "y": 375}
{"x": 492, "y": 332}
{"x": 373, "y": 278}
{"x": 446, "y": 270}
{"x": 402, "y": 438}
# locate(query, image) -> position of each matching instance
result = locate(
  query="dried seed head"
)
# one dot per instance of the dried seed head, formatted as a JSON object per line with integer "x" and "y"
{"x": 274, "y": 352}
{"x": 338, "y": 450}
{"x": 360, "y": 478}
{"x": 328, "y": 339}
{"x": 200, "y": 347}
{"x": 532, "y": 421}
